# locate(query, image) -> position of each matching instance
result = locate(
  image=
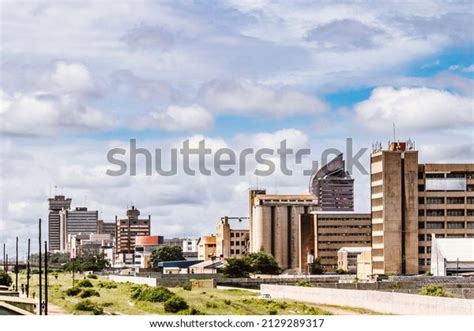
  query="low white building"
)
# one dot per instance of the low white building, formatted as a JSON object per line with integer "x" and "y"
{"x": 451, "y": 256}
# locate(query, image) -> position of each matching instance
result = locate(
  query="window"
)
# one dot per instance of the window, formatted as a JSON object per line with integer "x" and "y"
{"x": 455, "y": 225}
{"x": 421, "y": 261}
{"x": 421, "y": 237}
{"x": 421, "y": 188}
{"x": 470, "y": 225}
{"x": 232, "y": 243}
{"x": 237, "y": 251}
{"x": 455, "y": 212}
{"x": 456, "y": 201}
{"x": 421, "y": 200}
{"x": 421, "y": 225}
{"x": 421, "y": 250}
{"x": 237, "y": 234}
{"x": 470, "y": 188}
{"x": 470, "y": 212}
{"x": 242, "y": 243}
{"x": 434, "y": 175}
{"x": 421, "y": 212}
{"x": 456, "y": 175}
{"x": 232, "y": 251}
{"x": 470, "y": 200}
{"x": 428, "y": 249}
{"x": 435, "y": 212}
{"x": 435, "y": 225}
{"x": 232, "y": 235}
{"x": 434, "y": 201}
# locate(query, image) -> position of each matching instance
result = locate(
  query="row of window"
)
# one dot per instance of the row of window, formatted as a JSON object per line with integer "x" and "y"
{"x": 469, "y": 188}
{"x": 236, "y": 234}
{"x": 237, "y": 243}
{"x": 449, "y": 200}
{"x": 451, "y": 175}
{"x": 450, "y": 225}
{"x": 235, "y": 252}
{"x": 449, "y": 212}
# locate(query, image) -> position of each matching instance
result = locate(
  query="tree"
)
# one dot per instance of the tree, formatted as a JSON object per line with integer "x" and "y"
{"x": 263, "y": 263}
{"x": 88, "y": 263}
{"x": 237, "y": 268}
{"x": 317, "y": 268}
{"x": 166, "y": 253}
{"x": 5, "y": 279}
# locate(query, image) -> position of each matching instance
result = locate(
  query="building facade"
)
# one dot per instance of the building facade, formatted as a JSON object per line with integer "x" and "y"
{"x": 79, "y": 220}
{"x": 410, "y": 201}
{"x": 127, "y": 230}
{"x": 230, "y": 243}
{"x": 144, "y": 247}
{"x": 206, "y": 246}
{"x": 56, "y": 204}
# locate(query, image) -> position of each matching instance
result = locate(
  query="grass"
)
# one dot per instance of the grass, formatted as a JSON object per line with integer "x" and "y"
{"x": 114, "y": 298}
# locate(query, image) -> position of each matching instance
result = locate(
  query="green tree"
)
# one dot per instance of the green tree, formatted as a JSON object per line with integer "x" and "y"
{"x": 5, "y": 279}
{"x": 88, "y": 263}
{"x": 237, "y": 268}
{"x": 317, "y": 268}
{"x": 263, "y": 263}
{"x": 166, "y": 253}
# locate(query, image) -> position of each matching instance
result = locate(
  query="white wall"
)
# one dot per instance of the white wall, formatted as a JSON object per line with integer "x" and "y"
{"x": 383, "y": 302}
{"x": 133, "y": 279}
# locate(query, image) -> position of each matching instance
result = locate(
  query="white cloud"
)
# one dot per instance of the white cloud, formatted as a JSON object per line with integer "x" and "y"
{"x": 177, "y": 118}
{"x": 246, "y": 97}
{"x": 469, "y": 68}
{"x": 46, "y": 114}
{"x": 73, "y": 78}
{"x": 412, "y": 109}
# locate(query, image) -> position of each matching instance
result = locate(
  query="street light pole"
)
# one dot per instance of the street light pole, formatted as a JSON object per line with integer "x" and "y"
{"x": 46, "y": 278}
{"x": 16, "y": 265}
{"x": 28, "y": 271}
{"x": 40, "y": 271}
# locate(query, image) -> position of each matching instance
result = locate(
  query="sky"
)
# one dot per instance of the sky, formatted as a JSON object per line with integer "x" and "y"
{"x": 78, "y": 79}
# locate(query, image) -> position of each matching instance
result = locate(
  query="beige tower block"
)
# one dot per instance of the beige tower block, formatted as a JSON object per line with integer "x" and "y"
{"x": 281, "y": 236}
{"x": 294, "y": 234}
{"x": 262, "y": 227}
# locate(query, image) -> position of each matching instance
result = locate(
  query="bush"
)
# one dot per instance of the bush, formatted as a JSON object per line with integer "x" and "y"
{"x": 175, "y": 304}
{"x": 427, "y": 274}
{"x": 187, "y": 286}
{"x": 85, "y": 283}
{"x": 227, "y": 302}
{"x": 73, "y": 291}
{"x": 87, "y": 305}
{"x": 194, "y": 311}
{"x": 211, "y": 304}
{"x": 237, "y": 268}
{"x": 157, "y": 294}
{"x": 136, "y": 291}
{"x": 107, "y": 284}
{"x": 434, "y": 291}
{"x": 89, "y": 292}
{"x": 304, "y": 283}
{"x": 5, "y": 279}
{"x": 92, "y": 276}
{"x": 341, "y": 271}
{"x": 272, "y": 312}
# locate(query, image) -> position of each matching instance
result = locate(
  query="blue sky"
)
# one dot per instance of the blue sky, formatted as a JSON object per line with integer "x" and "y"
{"x": 79, "y": 79}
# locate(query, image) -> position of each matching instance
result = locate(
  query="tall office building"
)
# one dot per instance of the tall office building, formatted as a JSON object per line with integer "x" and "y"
{"x": 333, "y": 186}
{"x": 127, "y": 230}
{"x": 56, "y": 204}
{"x": 106, "y": 228}
{"x": 411, "y": 201}
{"x": 394, "y": 206}
{"x": 77, "y": 221}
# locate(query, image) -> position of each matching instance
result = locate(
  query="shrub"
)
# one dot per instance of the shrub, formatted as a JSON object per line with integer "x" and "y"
{"x": 85, "y": 283}
{"x": 434, "y": 291}
{"x": 175, "y": 304}
{"x": 5, "y": 279}
{"x": 194, "y": 311}
{"x": 157, "y": 294}
{"x": 341, "y": 271}
{"x": 92, "y": 276}
{"x": 107, "y": 284}
{"x": 73, "y": 291}
{"x": 89, "y": 292}
{"x": 427, "y": 274}
{"x": 304, "y": 283}
{"x": 87, "y": 305}
{"x": 211, "y": 304}
{"x": 187, "y": 286}
{"x": 272, "y": 312}
{"x": 227, "y": 302}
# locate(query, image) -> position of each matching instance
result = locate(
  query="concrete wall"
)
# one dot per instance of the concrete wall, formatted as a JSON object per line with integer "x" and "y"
{"x": 134, "y": 280}
{"x": 384, "y": 302}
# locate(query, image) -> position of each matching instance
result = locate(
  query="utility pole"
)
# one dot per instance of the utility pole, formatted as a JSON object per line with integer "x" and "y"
{"x": 6, "y": 265}
{"x": 28, "y": 271}
{"x": 4, "y": 258}
{"x": 40, "y": 271}
{"x": 46, "y": 278}
{"x": 16, "y": 265}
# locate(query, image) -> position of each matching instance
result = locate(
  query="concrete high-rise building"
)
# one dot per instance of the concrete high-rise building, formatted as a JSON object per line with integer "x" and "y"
{"x": 445, "y": 205}
{"x": 394, "y": 206}
{"x": 275, "y": 225}
{"x": 106, "y": 228}
{"x": 230, "y": 242}
{"x": 411, "y": 201}
{"x": 56, "y": 204}
{"x": 77, "y": 221}
{"x": 333, "y": 186}
{"x": 126, "y": 231}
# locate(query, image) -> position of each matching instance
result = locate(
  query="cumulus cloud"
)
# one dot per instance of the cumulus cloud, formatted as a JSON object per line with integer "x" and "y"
{"x": 246, "y": 97}
{"x": 72, "y": 78}
{"x": 46, "y": 114}
{"x": 177, "y": 118}
{"x": 344, "y": 34}
{"x": 415, "y": 109}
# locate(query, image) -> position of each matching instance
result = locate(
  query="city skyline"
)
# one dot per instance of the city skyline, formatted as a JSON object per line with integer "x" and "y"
{"x": 237, "y": 74}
